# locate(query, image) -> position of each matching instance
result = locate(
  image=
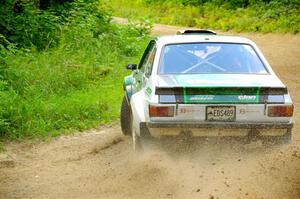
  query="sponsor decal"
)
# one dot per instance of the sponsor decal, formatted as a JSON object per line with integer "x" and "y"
{"x": 244, "y": 111}
{"x": 247, "y": 97}
{"x": 148, "y": 91}
{"x": 202, "y": 97}
{"x": 185, "y": 110}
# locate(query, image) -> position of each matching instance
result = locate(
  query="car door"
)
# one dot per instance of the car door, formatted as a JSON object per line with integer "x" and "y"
{"x": 144, "y": 70}
{"x": 148, "y": 68}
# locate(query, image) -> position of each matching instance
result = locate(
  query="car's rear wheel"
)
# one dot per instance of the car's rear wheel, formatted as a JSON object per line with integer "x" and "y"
{"x": 125, "y": 117}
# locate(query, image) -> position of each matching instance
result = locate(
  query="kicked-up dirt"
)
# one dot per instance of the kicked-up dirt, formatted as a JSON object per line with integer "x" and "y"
{"x": 101, "y": 164}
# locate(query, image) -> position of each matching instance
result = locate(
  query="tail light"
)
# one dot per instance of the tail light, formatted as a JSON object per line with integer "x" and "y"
{"x": 161, "y": 111}
{"x": 280, "y": 111}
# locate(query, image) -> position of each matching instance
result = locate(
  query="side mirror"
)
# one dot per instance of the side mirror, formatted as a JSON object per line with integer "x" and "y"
{"x": 131, "y": 66}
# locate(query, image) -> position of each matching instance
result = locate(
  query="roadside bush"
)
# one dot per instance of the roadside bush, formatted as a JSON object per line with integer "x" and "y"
{"x": 27, "y": 26}
{"x": 74, "y": 84}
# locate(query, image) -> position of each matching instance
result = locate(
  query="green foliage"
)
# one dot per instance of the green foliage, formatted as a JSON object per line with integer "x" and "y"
{"x": 27, "y": 26}
{"x": 75, "y": 84}
{"x": 239, "y": 15}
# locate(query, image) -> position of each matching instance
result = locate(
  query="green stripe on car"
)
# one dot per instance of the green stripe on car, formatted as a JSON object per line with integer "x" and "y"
{"x": 221, "y": 95}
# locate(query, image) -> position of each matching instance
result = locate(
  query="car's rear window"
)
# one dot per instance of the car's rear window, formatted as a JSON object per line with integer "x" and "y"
{"x": 210, "y": 58}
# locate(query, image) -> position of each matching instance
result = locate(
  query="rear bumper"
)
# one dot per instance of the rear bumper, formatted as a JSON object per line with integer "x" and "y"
{"x": 231, "y": 125}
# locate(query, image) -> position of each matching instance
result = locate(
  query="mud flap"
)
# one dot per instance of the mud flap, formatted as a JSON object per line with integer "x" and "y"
{"x": 144, "y": 131}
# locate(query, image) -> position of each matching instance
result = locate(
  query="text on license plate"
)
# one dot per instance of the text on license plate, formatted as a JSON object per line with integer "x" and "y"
{"x": 220, "y": 113}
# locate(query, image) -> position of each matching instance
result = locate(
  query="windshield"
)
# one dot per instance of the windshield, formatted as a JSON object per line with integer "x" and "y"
{"x": 210, "y": 58}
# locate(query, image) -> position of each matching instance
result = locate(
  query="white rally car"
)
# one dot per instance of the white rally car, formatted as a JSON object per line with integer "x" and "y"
{"x": 202, "y": 84}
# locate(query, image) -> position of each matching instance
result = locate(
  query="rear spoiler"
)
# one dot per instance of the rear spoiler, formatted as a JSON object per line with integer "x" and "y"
{"x": 221, "y": 95}
{"x": 221, "y": 90}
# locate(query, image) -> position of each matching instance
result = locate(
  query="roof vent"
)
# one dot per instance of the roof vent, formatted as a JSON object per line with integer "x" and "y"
{"x": 196, "y": 32}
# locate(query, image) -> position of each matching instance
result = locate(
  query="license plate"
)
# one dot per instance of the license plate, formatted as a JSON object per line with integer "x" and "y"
{"x": 220, "y": 113}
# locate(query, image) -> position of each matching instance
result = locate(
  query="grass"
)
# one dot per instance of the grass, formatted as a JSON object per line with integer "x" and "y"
{"x": 74, "y": 86}
{"x": 258, "y": 17}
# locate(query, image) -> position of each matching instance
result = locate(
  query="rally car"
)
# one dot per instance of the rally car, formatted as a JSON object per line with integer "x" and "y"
{"x": 199, "y": 83}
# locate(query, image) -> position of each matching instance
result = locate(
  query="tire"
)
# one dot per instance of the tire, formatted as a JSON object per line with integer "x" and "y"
{"x": 125, "y": 117}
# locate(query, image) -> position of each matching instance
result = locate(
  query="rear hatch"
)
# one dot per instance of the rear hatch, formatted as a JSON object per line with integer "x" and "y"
{"x": 220, "y": 97}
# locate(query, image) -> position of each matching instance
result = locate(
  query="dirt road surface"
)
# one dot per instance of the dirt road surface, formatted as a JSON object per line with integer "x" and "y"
{"x": 101, "y": 164}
